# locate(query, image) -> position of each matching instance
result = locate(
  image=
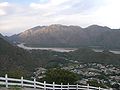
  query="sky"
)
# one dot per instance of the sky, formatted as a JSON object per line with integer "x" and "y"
{"x": 19, "y": 15}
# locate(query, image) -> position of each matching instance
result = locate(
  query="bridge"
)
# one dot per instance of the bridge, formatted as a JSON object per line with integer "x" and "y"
{"x": 6, "y": 82}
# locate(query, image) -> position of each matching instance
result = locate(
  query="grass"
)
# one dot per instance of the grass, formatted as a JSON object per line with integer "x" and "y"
{"x": 15, "y": 88}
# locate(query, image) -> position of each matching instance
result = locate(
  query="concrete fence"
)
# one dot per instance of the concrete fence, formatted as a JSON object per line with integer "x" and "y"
{"x": 5, "y": 81}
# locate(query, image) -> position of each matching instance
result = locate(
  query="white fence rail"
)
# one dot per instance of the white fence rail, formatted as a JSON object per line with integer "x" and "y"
{"x": 45, "y": 86}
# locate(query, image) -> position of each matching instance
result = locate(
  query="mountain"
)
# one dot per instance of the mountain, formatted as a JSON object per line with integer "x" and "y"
{"x": 57, "y": 35}
{"x": 18, "y": 62}
{"x": 1, "y": 36}
{"x": 14, "y": 60}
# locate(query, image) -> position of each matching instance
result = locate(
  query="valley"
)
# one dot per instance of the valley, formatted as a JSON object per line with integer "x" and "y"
{"x": 60, "y": 44}
{"x": 22, "y": 45}
{"x": 97, "y": 64}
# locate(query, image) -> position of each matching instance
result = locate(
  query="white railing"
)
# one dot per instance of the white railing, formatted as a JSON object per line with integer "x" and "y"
{"x": 45, "y": 86}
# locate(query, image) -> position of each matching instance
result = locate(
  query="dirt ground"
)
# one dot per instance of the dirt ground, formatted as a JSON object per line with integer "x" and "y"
{"x": 18, "y": 88}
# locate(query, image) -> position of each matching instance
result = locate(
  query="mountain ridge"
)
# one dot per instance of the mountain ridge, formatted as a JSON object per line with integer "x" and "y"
{"x": 57, "y": 35}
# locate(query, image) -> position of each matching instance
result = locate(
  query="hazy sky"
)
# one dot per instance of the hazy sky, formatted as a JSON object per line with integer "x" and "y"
{"x": 19, "y": 15}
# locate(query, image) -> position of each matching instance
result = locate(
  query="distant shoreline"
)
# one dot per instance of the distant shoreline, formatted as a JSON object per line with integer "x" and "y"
{"x": 46, "y": 48}
{"x": 22, "y": 45}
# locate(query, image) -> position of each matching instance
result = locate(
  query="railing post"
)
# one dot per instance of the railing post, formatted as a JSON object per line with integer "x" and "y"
{"x": 53, "y": 85}
{"x": 6, "y": 80}
{"x": 68, "y": 86}
{"x": 99, "y": 88}
{"x": 88, "y": 87}
{"x": 34, "y": 83}
{"x": 77, "y": 87}
{"x": 22, "y": 81}
{"x": 61, "y": 86}
{"x": 44, "y": 85}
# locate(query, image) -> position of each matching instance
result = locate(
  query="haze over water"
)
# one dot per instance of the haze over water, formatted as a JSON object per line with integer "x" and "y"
{"x": 61, "y": 49}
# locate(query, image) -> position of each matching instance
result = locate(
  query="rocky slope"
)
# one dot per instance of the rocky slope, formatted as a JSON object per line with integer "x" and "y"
{"x": 69, "y": 36}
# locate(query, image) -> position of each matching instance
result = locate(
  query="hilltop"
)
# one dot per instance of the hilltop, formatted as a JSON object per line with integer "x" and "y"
{"x": 57, "y": 35}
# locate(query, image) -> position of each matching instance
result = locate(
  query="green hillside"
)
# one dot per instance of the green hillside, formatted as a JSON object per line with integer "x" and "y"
{"x": 14, "y": 60}
{"x": 18, "y": 62}
{"x": 84, "y": 55}
{"x": 88, "y": 55}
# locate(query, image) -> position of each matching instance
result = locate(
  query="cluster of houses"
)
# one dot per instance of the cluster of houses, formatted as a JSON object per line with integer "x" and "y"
{"x": 89, "y": 71}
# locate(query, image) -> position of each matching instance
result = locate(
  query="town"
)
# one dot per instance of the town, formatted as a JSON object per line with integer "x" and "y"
{"x": 104, "y": 75}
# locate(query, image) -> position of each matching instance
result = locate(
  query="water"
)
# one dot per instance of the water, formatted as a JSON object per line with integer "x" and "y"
{"x": 61, "y": 49}
{"x": 41, "y": 48}
{"x": 113, "y": 51}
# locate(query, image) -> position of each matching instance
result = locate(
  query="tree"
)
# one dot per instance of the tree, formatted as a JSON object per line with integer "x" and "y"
{"x": 17, "y": 73}
{"x": 117, "y": 86}
{"x": 60, "y": 76}
{"x": 96, "y": 83}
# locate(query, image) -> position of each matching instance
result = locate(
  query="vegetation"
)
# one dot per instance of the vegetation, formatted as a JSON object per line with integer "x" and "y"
{"x": 88, "y": 55}
{"x": 60, "y": 76}
{"x": 96, "y": 84}
{"x": 52, "y": 59}
{"x": 18, "y": 62}
{"x": 14, "y": 88}
{"x": 15, "y": 61}
{"x": 49, "y": 59}
{"x": 116, "y": 86}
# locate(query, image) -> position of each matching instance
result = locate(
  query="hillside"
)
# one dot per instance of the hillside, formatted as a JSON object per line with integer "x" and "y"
{"x": 18, "y": 62}
{"x": 49, "y": 59}
{"x": 69, "y": 36}
{"x": 14, "y": 60}
{"x": 87, "y": 55}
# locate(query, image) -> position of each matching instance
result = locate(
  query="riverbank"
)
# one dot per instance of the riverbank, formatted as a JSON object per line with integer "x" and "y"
{"x": 21, "y": 45}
